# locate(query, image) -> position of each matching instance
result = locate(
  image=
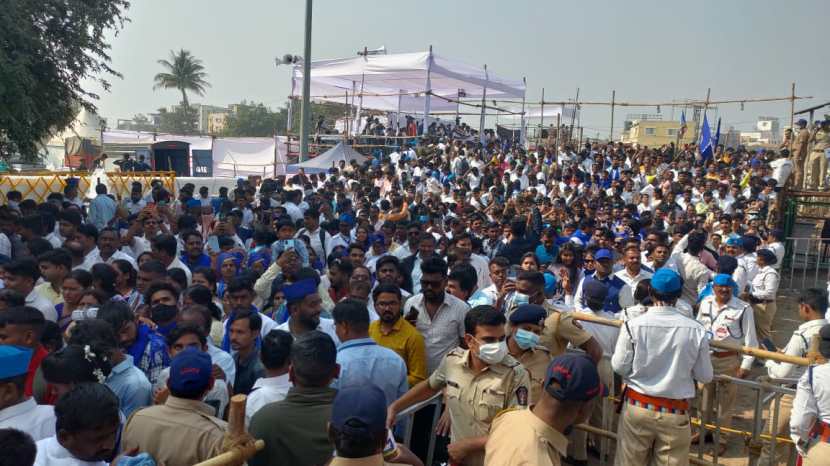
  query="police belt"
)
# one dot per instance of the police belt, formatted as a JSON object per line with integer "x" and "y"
{"x": 821, "y": 431}
{"x": 724, "y": 354}
{"x": 656, "y": 403}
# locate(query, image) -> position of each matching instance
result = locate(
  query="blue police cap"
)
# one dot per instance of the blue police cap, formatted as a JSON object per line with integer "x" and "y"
{"x": 359, "y": 410}
{"x": 603, "y": 254}
{"x": 14, "y": 361}
{"x": 528, "y": 314}
{"x": 723, "y": 279}
{"x": 595, "y": 290}
{"x": 576, "y": 377}
{"x": 299, "y": 290}
{"x": 190, "y": 371}
{"x": 666, "y": 281}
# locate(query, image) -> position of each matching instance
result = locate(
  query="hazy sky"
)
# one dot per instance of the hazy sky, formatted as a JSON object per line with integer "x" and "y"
{"x": 646, "y": 50}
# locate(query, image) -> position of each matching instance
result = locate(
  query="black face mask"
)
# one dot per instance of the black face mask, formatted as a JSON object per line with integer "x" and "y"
{"x": 163, "y": 313}
{"x": 568, "y": 430}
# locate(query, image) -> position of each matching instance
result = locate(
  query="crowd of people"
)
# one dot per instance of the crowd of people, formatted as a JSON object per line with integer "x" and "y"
{"x": 337, "y": 301}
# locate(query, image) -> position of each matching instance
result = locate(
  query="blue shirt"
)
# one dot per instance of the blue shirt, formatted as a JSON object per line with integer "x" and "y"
{"x": 130, "y": 385}
{"x": 363, "y": 362}
{"x": 614, "y": 284}
{"x": 201, "y": 261}
{"x": 101, "y": 210}
{"x": 545, "y": 256}
{"x": 150, "y": 350}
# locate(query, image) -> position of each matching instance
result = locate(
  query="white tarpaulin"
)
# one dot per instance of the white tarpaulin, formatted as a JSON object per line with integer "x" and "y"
{"x": 392, "y": 82}
{"x": 328, "y": 159}
{"x": 246, "y": 156}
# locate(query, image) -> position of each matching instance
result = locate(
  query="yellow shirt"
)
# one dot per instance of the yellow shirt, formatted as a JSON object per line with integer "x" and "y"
{"x": 405, "y": 340}
{"x": 519, "y": 438}
{"x": 45, "y": 289}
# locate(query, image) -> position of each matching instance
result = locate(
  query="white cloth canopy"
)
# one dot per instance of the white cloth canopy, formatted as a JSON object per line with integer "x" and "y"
{"x": 246, "y": 156}
{"x": 392, "y": 82}
{"x": 328, "y": 159}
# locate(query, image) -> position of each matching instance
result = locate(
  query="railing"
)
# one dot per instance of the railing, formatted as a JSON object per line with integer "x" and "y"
{"x": 409, "y": 413}
{"x": 806, "y": 263}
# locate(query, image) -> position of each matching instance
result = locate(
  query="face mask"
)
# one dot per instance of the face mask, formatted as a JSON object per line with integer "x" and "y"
{"x": 492, "y": 353}
{"x": 526, "y": 339}
{"x": 163, "y": 312}
{"x": 520, "y": 298}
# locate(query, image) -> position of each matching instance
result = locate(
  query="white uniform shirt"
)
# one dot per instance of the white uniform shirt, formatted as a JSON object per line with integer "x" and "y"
{"x": 51, "y": 453}
{"x": 732, "y": 323}
{"x": 797, "y": 346}
{"x": 626, "y": 296}
{"x": 749, "y": 262}
{"x": 812, "y": 401}
{"x": 36, "y": 420}
{"x": 266, "y": 390}
{"x": 661, "y": 353}
{"x": 765, "y": 284}
{"x": 778, "y": 249}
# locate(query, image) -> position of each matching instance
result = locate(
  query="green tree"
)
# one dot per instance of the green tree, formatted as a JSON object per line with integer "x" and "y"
{"x": 185, "y": 73}
{"x": 47, "y": 49}
{"x": 254, "y": 120}
{"x": 182, "y": 120}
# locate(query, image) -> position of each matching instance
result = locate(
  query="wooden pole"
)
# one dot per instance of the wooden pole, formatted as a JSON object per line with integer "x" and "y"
{"x": 613, "y": 98}
{"x": 573, "y": 117}
{"x": 541, "y": 122}
{"x": 236, "y": 429}
{"x": 756, "y": 352}
{"x": 792, "y": 118}
{"x": 558, "y": 138}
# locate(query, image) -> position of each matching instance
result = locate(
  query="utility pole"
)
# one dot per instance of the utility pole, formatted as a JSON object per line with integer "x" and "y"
{"x": 305, "y": 113}
{"x": 613, "y": 97}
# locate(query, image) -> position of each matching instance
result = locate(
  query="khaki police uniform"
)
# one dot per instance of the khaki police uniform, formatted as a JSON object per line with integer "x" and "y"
{"x": 519, "y": 438}
{"x": 798, "y": 345}
{"x": 816, "y": 166}
{"x": 179, "y": 432}
{"x": 561, "y": 329}
{"x": 473, "y": 400}
{"x": 375, "y": 460}
{"x": 731, "y": 323}
{"x": 536, "y": 361}
{"x": 810, "y": 418}
{"x": 799, "y": 155}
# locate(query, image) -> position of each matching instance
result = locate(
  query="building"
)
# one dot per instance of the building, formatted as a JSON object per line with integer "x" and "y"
{"x": 770, "y": 129}
{"x": 217, "y": 122}
{"x": 655, "y": 133}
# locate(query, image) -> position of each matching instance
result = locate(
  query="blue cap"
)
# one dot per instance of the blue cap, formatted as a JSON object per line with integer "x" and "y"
{"x": 749, "y": 242}
{"x": 359, "y": 410}
{"x": 299, "y": 290}
{"x": 576, "y": 378}
{"x": 347, "y": 219}
{"x": 734, "y": 241}
{"x": 14, "y": 361}
{"x": 550, "y": 283}
{"x": 190, "y": 371}
{"x": 603, "y": 254}
{"x": 377, "y": 238}
{"x": 666, "y": 281}
{"x": 528, "y": 314}
{"x": 769, "y": 256}
{"x": 594, "y": 289}
{"x": 727, "y": 264}
{"x": 191, "y": 203}
{"x": 801, "y": 122}
{"x": 723, "y": 279}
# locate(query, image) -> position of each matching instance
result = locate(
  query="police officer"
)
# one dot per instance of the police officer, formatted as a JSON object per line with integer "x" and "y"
{"x": 811, "y": 309}
{"x": 538, "y": 436}
{"x": 816, "y": 166}
{"x": 762, "y": 290}
{"x": 799, "y": 151}
{"x": 526, "y": 324}
{"x": 659, "y": 355}
{"x": 810, "y": 418}
{"x": 480, "y": 382}
{"x": 16, "y": 409}
{"x": 726, "y": 319}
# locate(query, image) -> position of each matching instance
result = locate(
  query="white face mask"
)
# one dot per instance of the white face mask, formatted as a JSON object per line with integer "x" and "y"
{"x": 492, "y": 353}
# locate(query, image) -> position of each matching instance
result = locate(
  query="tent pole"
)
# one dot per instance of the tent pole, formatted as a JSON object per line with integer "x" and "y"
{"x": 613, "y": 98}
{"x": 398, "y": 113}
{"x": 483, "y": 105}
{"x": 541, "y": 122}
{"x": 346, "y": 119}
{"x": 305, "y": 123}
{"x": 359, "y": 104}
{"x": 522, "y": 123}
{"x": 428, "y": 92}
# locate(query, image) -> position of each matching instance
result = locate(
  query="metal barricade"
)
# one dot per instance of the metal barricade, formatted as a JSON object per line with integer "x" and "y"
{"x": 806, "y": 263}
{"x": 409, "y": 414}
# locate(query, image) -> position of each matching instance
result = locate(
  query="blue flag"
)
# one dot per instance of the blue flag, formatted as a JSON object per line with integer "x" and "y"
{"x": 706, "y": 148}
{"x": 682, "y": 123}
{"x": 717, "y": 135}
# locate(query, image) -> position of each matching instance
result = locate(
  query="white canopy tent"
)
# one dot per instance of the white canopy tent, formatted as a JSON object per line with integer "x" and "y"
{"x": 405, "y": 82}
{"x": 328, "y": 159}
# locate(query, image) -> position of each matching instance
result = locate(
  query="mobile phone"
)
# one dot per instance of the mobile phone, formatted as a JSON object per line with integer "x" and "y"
{"x": 287, "y": 244}
{"x": 213, "y": 243}
{"x": 512, "y": 272}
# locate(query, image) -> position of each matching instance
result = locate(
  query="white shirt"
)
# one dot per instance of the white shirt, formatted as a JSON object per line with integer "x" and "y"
{"x": 5, "y": 246}
{"x": 36, "y": 420}
{"x": 51, "y": 453}
{"x": 326, "y": 326}
{"x": 797, "y": 346}
{"x": 734, "y": 323}
{"x": 781, "y": 170}
{"x": 626, "y": 296}
{"x": 42, "y": 304}
{"x": 778, "y": 249}
{"x": 812, "y": 401}
{"x": 140, "y": 246}
{"x": 748, "y": 261}
{"x": 293, "y": 211}
{"x": 444, "y": 331}
{"x": 266, "y": 390}
{"x": 661, "y": 353}
{"x": 314, "y": 237}
{"x": 119, "y": 255}
{"x": 482, "y": 266}
{"x": 91, "y": 258}
{"x": 222, "y": 359}
{"x": 178, "y": 264}
{"x": 765, "y": 283}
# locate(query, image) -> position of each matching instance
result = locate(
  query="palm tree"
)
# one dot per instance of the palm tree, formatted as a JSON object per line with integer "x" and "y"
{"x": 184, "y": 72}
